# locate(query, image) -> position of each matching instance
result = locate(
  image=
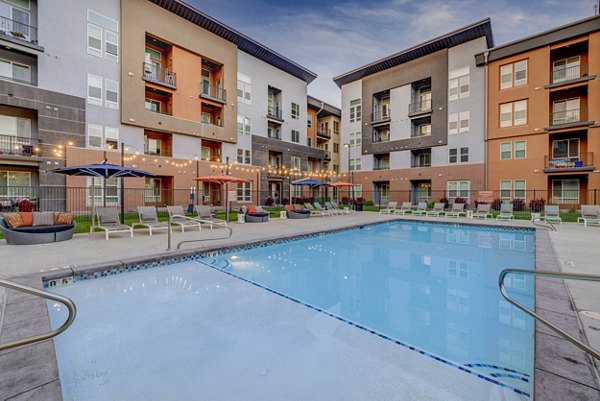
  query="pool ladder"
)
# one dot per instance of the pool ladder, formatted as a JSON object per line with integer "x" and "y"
{"x": 199, "y": 221}
{"x": 43, "y": 294}
{"x": 574, "y": 276}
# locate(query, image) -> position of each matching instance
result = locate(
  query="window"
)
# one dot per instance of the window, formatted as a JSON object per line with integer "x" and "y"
{"x": 296, "y": 136}
{"x": 355, "y": 138}
{"x": 520, "y": 149}
{"x": 98, "y": 27}
{"x": 355, "y": 164}
{"x": 458, "y": 122}
{"x": 111, "y": 99}
{"x": 14, "y": 126}
{"x": 19, "y": 15}
{"x": 309, "y": 120}
{"x": 244, "y": 125}
{"x": 336, "y": 148}
{"x": 565, "y": 191}
{"x": 94, "y": 90}
{"x": 464, "y": 155}
{"x": 152, "y": 146}
{"x": 565, "y": 111}
{"x": 505, "y": 150}
{"x": 424, "y": 129}
{"x": 453, "y": 123}
{"x": 336, "y": 127}
{"x": 296, "y": 163}
{"x": 244, "y": 192}
{"x": 520, "y": 114}
{"x": 152, "y": 190}
{"x": 244, "y": 88}
{"x": 355, "y": 110}
{"x": 308, "y": 141}
{"x": 520, "y": 189}
{"x": 111, "y": 196}
{"x": 152, "y": 105}
{"x": 111, "y": 137}
{"x": 514, "y": 74}
{"x": 94, "y": 139}
{"x": 505, "y": 189}
{"x": 14, "y": 71}
{"x": 566, "y": 69}
{"x": 102, "y": 137}
{"x": 464, "y": 121}
{"x": 295, "y": 111}
{"x": 244, "y": 156}
{"x": 15, "y": 184}
{"x": 565, "y": 149}
{"x": 459, "y": 189}
{"x": 453, "y": 155}
{"x": 458, "y": 84}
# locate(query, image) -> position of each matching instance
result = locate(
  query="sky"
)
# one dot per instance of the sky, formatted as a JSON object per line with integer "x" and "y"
{"x": 333, "y": 37}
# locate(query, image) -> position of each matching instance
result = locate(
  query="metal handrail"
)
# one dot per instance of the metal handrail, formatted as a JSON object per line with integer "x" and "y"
{"x": 539, "y": 220}
{"x": 198, "y": 220}
{"x": 574, "y": 276}
{"x": 47, "y": 295}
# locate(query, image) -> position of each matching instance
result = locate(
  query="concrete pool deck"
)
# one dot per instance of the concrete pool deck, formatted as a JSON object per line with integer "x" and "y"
{"x": 574, "y": 247}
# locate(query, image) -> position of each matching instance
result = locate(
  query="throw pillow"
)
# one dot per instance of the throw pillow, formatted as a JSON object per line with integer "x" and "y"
{"x": 291, "y": 208}
{"x": 259, "y": 209}
{"x": 13, "y": 220}
{"x": 43, "y": 218}
{"x": 27, "y": 218}
{"x": 299, "y": 208}
{"x": 244, "y": 209}
{"x": 64, "y": 218}
{"x": 251, "y": 209}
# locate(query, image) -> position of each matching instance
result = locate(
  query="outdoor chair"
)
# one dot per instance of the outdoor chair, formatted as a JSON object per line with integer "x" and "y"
{"x": 326, "y": 212}
{"x": 297, "y": 212}
{"x": 457, "y": 210}
{"x": 590, "y": 214}
{"x": 390, "y": 209}
{"x": 205, "y": 216}
{"x": 149, "y": 219}
{"x": 482, "y": 211}
{"x": 109, "y": 221}
{"x": 405, "y": 209}
{"x": 174, "y": 212}
{"x": 437, "y": 211}
{"x": 313, "y": 211}
{"x": 345, "y": 210}
{"x": 334, "y": 210}
{"x": 421, "y": 209}
{"x": 552, "y": 214}
{"x": 506, "y": 212}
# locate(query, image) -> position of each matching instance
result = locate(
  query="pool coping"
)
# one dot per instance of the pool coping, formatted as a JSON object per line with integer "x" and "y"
{"x": 549, "y": 378}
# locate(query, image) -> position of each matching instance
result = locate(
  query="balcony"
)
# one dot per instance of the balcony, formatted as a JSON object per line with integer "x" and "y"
{"x": 418, "y": 108}
{"x": 274, "y": 113}
{"x": 18, "y": 30}
{"x": 380, "y": 116}
{"x": 326, "y": 155}
{"x": 568, "y": 119}
{"x": 324, "y": 133}
{"x": 381, "y": 136}
{"x": 570, "y": 73}
{"x": 274, "y": 135}
{"x": 583, "y": 162}
{"x": 19, "y": 146}
{"x": 212, "y": 92}
{"x": 162, "y": 76}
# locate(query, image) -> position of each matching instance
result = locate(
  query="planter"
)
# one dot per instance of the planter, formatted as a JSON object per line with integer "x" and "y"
{"x": 358, "y": 207}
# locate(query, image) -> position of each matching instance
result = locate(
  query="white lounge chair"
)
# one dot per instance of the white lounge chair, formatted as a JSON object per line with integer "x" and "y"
{"x": 405, "y": 209}
{"x": 437, "y": 211}
{"x": 421, "y": 209}
{"x": 109, "y": 221}
{"x": 205, "y": 216}
{"x": 590, "y": 214}
{"x": 482, "y": 211}
{"x": 180, "y": 221}
{"x": 149, "y": 219}
{"x": 391, "y": 208}
{"x": 334, "y": 210}
{"x": 552, "y": 214}
{"x": 506, "y": 212}
{"x": 313, "y": 211}
{"x": 457, "y": 210}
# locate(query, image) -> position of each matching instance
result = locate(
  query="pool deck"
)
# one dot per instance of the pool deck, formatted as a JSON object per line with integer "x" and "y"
{"x": 562, "y": 371}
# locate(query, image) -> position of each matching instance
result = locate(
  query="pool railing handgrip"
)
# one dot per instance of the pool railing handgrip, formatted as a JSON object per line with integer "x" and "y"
{"x": 43, "y": 294}
{"x": 198, "y": 220}
{"x": 573, "y": 276}
{"x": 539, "y": 220}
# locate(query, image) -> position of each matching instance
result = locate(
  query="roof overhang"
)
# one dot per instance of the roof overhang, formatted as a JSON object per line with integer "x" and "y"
{"x": 327, "y": 110}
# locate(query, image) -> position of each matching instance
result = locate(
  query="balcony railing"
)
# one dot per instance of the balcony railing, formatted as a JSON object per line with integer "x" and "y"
{"x": 19, "y": 81}
{"x": 18, "y": 30}
{"x": 568, "y": 116}
{"x": 326, "y": 155}
{"x": 420, "y": 163}
{"x": 381, "y": 137}
{"x": 325, "y": 133}
{"x": 379, "y": 115}
{"x": 213, "y": 92}
{"x": 19, "y": 146}
{"x": 569, "y": 73}
{"x": 423, "y": 106}
{"x": 160, "y": 75}
{"x": 583, "y": 161}
{"x": 274, "y": 112}
{"x": 382, "y": 166}
{"x": 274, "y": 135}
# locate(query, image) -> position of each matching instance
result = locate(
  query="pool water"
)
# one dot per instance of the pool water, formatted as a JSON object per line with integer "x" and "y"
{"x": 430, "y": 286}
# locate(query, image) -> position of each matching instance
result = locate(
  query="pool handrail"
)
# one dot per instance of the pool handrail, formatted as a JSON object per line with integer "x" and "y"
{"x": 43, "y": 294}
{"x": 175, "y": 216}
{"x": 574, "y": 276}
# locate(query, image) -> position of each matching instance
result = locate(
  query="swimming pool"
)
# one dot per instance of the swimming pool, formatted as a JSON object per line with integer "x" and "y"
{"x": 430, "y": 288}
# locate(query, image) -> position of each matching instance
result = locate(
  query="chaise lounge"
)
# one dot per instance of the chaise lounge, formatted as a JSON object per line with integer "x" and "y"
{"x": 296, "y": 212}
{"x": 149, "y": 219}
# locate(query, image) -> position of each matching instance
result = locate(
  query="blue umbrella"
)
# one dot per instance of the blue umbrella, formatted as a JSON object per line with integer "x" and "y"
{"x": 103, "y": 170}
{"x": 311, "y": 182}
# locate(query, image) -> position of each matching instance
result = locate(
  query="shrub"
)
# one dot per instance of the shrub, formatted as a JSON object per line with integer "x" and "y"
{"x": 368, "y": 203}
{"x": 360, "y": 200}
{"x": 496, "y": 204}
{"x": 458, "y": 199}
{"x": 270, "y": 201}
{"x": 536, "y": 205}
{"x": 25, "y": 205}
{"x": 518, "y": 205}
{"x": 285, "y": 201}
{"x": 445, "y": 201}
{"x": 344, "y": 200}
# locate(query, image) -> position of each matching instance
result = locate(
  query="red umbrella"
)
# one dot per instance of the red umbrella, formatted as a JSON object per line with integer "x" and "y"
{"x": 341, "y": 184}
{"x": 222, "y": 179}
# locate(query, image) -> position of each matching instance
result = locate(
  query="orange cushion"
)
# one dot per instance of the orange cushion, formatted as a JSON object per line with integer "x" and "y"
{"x": 27, "y": 218}
{"x": 64, "y": 218}
{"x": 291, "y": 208}
{"x": 14, "y": 220}
{"x": 251, "y": 209}
{"x": 299, "y": 208}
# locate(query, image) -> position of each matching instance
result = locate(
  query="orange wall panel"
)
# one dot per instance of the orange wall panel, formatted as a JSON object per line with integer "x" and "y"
{"x": 188, "y": 67}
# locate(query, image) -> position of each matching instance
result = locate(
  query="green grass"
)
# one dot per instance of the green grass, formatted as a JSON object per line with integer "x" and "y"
{"x": 569, "y": 217}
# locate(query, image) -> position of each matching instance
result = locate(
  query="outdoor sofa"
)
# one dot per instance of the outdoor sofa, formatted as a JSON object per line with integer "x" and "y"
{"x": 255, "y": 214}
{"x": 39, "y": 233}
{"x": 297, "y": 212}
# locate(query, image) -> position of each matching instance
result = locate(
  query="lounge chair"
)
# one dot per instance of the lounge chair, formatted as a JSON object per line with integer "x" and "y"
{"x": 421, "y": 209}
{"x": 391, "y": 208}
{"x": 149, "y": 219}
{"x": 345, "y": 210}
{"x": 405, "y": 209}
{"x": 296, "y": 212}
{"x": 552, "y": 214}
{"x": 175, "y": 211}
{"x": 590, "y": 214}
{"x": 207, "y": 217}
{"x": 313, "y": 211}
{"x": 506, "y": 212}
{"x": 437, "y": 211}
{"x": 334, "y": 210}
{"x": 482, "y": 211}
{"x": 320, "y": 208}
{"x": 109, "y": 221}
{"x": 457, "y": 210}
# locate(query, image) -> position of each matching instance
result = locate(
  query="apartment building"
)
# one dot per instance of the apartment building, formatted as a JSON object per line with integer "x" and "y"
{"x": 157, "y": 93}
{"x": 544, "y": 108}
{"x": 323, "y": 127}
{"x": 413, "y": 122}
